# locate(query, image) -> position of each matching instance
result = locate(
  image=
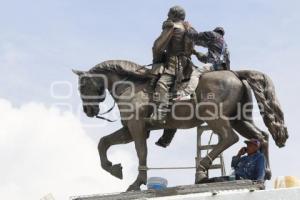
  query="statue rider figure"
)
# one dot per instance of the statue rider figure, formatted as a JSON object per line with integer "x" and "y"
{"x": 174, "y": 50}
{"x": 217, "y": 58}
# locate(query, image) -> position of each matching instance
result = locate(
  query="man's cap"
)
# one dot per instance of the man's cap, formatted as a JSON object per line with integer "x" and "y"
{"x": 253, "y": 141}
{"x": 220, "y": 30}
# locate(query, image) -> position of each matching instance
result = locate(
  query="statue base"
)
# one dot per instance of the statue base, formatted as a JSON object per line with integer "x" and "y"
{"x": 212, "y": 188}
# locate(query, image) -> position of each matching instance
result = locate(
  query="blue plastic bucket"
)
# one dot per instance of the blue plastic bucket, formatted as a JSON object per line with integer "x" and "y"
{"x": 157, "y": 183}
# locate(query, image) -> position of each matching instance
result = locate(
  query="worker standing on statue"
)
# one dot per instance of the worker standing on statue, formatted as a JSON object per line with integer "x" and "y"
{"x": 217, "y": 57}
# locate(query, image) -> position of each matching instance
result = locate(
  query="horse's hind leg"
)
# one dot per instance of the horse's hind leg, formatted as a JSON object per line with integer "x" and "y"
{"x": 249, "y": 130}
{"x": 227, "y": 137}
{"x": 121, "y": 136}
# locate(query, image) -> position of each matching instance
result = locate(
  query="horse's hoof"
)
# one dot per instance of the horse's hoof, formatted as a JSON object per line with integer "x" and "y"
{"x": 133, "y": 188}
{"x": 201, "y": 181}
{"x": 268, "y": 174}
{"x": 116, "y": 170}
{"x": 201, "y": 177}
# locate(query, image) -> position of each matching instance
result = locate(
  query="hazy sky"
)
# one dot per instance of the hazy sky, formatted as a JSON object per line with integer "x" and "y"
{"x": 41, "y": 41}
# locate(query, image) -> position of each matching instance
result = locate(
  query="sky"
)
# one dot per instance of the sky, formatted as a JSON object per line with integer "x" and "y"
{"x": 49, "y": 146}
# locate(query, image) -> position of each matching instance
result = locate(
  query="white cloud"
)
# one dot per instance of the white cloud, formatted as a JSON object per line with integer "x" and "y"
{"x": 43, "y": 151}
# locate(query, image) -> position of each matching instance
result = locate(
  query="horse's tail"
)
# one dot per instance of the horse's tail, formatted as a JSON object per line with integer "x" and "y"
{"x": 264, "y": 92}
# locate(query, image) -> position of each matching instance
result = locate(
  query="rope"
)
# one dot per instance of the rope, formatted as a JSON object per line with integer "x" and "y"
{"x": 163, "y": 168}
{"x": 209, "y": 142}
{"x": 145, "y": 168}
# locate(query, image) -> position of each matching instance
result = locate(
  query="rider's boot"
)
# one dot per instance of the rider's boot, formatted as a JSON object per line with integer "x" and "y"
{"x": 158, "y": 118}
{"x": 166, "y": 138}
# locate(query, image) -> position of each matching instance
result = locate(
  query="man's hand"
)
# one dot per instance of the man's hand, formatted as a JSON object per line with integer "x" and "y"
{"x": 187, "y": 25}
{"x": 242, "y": 151}
{"x": 168, "y": 24}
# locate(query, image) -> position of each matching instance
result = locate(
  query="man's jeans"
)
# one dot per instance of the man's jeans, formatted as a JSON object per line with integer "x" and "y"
{"x": 194, "y": 80}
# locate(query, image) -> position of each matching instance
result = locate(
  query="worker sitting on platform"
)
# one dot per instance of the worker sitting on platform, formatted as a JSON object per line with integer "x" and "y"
{"x": 252, "y": 166}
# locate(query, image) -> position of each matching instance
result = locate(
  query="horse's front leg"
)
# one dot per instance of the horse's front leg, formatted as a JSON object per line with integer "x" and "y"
{"x": 121, "y": 136}
{"x": 139, "y": 135}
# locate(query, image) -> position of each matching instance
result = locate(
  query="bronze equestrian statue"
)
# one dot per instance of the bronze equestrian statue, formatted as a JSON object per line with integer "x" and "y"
{"x": 232, "y": 96}
{"x": 222, "y": 99}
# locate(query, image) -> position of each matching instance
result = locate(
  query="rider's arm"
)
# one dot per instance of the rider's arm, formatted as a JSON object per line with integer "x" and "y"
{"x": 192, "y": 33}
{"x": 161, "y": 42}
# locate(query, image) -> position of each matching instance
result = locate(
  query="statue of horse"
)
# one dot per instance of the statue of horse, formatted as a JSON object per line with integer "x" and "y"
{"x": 223, "y": 100}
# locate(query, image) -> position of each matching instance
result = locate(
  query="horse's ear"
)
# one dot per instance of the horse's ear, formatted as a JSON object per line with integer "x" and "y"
{"x": 77, "y": 72}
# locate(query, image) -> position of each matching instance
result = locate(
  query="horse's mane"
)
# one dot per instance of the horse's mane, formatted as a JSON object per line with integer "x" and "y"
{"x": 122, "y": 67}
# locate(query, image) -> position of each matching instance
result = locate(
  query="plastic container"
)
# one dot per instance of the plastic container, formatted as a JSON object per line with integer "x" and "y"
{"x": 232, "y": 175}
{"x": 157, "y": 183}
{"x": 286, "y": 182}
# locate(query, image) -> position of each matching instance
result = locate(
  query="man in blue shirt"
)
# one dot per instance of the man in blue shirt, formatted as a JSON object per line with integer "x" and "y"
{"x": 252, "y": 166}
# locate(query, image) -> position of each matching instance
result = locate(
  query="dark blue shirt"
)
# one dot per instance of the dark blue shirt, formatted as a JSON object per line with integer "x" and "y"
{"x": 216, "y": 46}
{"x": 249, "y": 167}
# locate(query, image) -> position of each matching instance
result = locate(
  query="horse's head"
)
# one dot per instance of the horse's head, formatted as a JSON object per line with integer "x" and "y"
{"x": 92, "y": 91}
